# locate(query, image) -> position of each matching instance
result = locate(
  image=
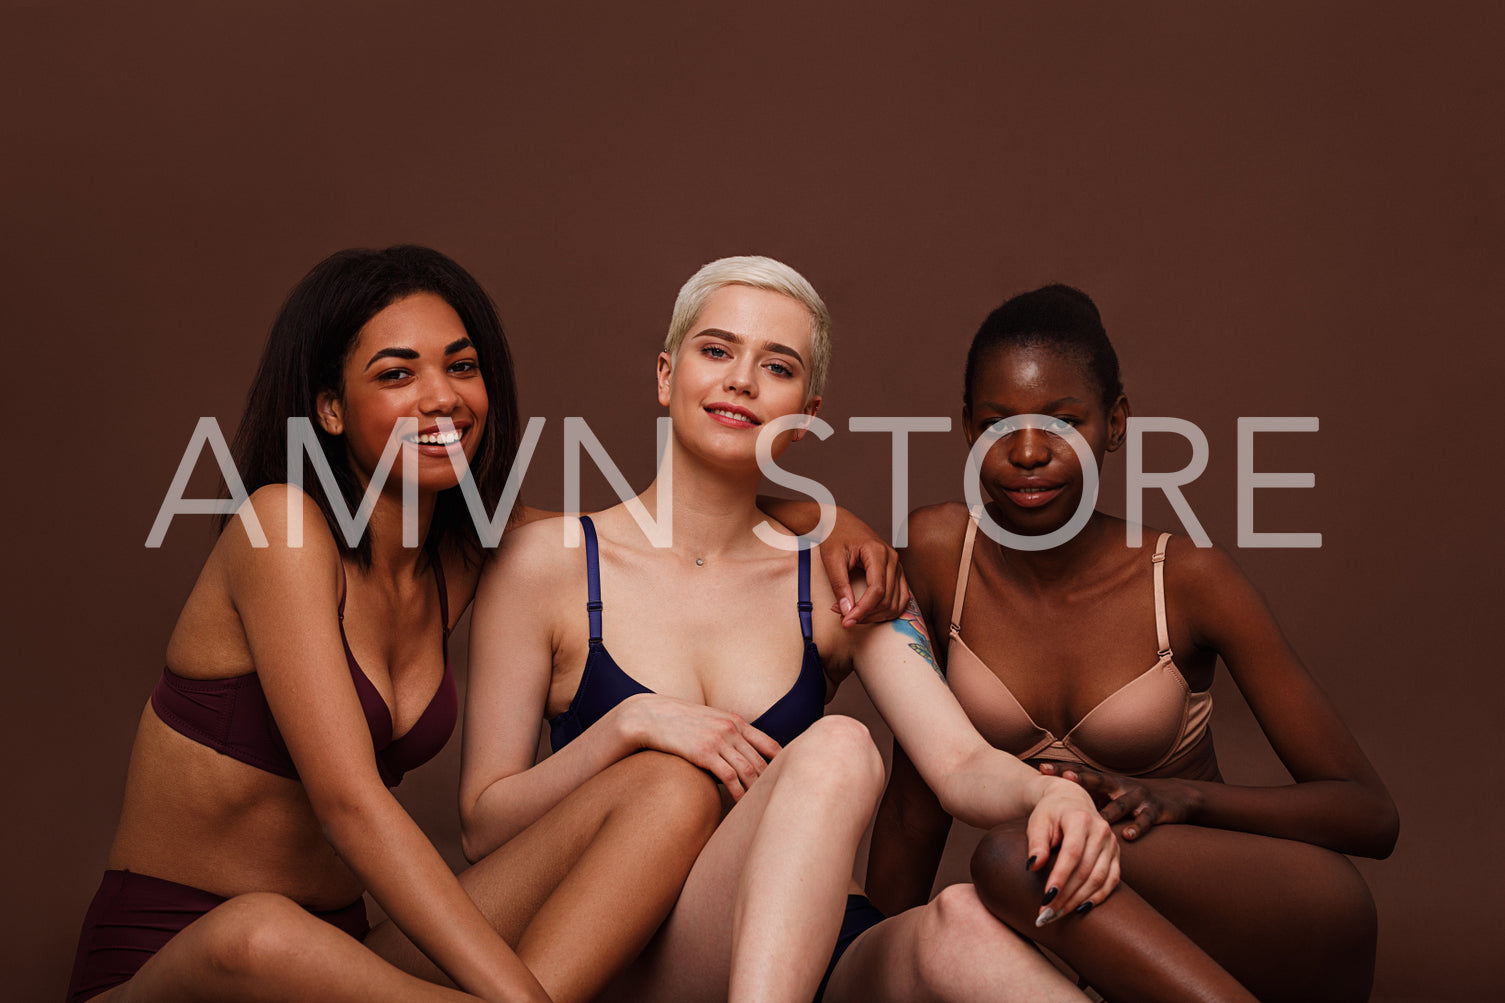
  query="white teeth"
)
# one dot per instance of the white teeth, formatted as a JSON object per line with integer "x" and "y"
{"x": 731, "y": 414}
{"x": 439, "y": 438}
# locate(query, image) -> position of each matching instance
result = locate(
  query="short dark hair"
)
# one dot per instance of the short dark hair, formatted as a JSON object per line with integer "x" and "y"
{"x": 305, "y": 356}
{"x": 1056, "y": 317}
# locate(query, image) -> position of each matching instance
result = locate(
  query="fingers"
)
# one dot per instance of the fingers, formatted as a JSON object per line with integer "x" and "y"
{"x": 1145, "y": 815}
{"x": 1116, "y": 809}
{"x": 898, "y": 587}
{"x": 1040, "y": 834}
{"x": 1099, "y": 856}
{"x": 841, "y": 584}
{"x": 760, "y": 741}
{"x": 871, "y": 558}
{"x": 736, "y": 749}
{"x": 1063, "y": 877}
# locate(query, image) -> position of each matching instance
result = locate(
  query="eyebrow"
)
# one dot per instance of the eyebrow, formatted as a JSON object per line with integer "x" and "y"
{"x": 409, "y": 355}
{"x": 1061, "y": 402}
{"x": 737, "y": 339}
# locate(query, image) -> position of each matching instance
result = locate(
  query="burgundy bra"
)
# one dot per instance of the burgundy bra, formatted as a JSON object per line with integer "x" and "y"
{"x": 231, "y": 715}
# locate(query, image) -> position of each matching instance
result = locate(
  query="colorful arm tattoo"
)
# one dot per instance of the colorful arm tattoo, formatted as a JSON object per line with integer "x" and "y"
{"x": 912, "y": 625}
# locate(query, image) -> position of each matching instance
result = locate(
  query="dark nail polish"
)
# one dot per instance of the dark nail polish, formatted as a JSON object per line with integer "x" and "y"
{"x": 1084, "y": 908}
{"x": 1029, "y": 865}
{"x": 1050, "y": 893}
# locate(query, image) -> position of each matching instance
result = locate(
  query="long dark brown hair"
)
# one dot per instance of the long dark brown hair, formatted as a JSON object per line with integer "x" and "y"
{"x": 305, "y": 356}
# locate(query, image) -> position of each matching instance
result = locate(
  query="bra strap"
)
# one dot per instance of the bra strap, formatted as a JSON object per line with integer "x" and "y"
{"x": 1162, "y": 632}
{"x": 804, "y": 604}
{"x": 592, "y": 579}
{"x": 963, "y": 572}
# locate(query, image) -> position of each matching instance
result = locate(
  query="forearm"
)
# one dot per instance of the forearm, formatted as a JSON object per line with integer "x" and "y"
{"x": 408, "y": 878}
{"x": 799, "y": 515}
{"x": 1342, "y": 815}
{"x": 512, "y": 803}
{"x": 988, "y": 788}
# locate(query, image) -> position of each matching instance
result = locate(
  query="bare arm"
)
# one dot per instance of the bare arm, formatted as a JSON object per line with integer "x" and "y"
{"x": 852, "y": 544}
{"x": 515, "y": 634}
{"x": 512, "y": 642}
{"x": 1337, "y": 801}
{"x": 286, "y": 600}
{"x": 973, "y": 781}
{"x": 909, "y": 837}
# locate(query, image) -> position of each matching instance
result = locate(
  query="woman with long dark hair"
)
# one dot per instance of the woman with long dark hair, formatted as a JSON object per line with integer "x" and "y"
{"x": 305, "y": 676}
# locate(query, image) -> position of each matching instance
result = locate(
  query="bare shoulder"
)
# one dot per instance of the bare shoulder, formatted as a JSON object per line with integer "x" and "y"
{"x": 278, "y": 535}
{"x": 1191, "y": 569}
{"x": 543, "y": 554}
{"x": 937, "y": 527}
{"x": 936, "y": 534}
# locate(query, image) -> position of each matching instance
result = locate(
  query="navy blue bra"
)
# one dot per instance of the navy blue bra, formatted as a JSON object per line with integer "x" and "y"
{"x": 603, "y": 684}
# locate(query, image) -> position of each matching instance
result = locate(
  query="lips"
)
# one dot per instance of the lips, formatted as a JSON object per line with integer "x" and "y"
{"x": 1032, "y": 492}
{"x": 732, "y": 415}
{"x": 437, "y": 442}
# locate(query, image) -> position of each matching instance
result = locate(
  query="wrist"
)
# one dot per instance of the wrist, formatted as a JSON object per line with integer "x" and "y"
{"x": 629, "y": 729}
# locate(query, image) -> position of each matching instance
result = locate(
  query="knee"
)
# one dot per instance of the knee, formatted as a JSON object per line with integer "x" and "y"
{"x": 684, "y": 797}
{"x": 254, "y": 935}
{"x": 1004, "y": 882}
{"x": 1342, "y": 907}
{"x": 836, "y": 756}
{"x": 955, "y": 930}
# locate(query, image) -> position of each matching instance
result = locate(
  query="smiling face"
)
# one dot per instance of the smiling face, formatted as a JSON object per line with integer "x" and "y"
{"x": 413, "y": 359}
{"x": 744, "y": 362}
{"x": 1032, "y": 475}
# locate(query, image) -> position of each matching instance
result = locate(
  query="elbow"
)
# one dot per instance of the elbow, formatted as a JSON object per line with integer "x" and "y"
{"x": 347, "y": 814}
{"x": 956, "y": 804}
{"x": 472, "y": 843}
{"x": 1384, "y": 830}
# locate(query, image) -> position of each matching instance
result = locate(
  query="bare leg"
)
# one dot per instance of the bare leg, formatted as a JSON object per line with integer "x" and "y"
{"x": 580, "y": 892}
{"x": 759, "y": 914}
{"x": 950, "y": 951}
{"x": 262, "y": 948}
{"x": 1292, "y": 921}
{"x": 1127, "y": 951}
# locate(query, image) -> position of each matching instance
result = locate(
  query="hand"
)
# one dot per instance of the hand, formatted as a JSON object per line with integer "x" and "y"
{"x": 734, "y": 751}
{"x": 886, "y": 594}
{"x": 1086, "y": 854}
{"x": 1143, "y": 803}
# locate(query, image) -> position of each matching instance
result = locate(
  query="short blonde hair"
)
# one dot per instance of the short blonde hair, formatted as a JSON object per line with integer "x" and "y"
{"x": 759, "y": 273}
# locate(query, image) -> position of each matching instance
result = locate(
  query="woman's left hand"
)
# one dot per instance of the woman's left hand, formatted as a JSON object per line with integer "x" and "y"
{"x": 1138, "y": 803}
{"x": 1085, "y": 868}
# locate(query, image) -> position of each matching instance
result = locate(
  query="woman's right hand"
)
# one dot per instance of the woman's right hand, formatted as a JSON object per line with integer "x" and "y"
{"x": 1086, "y": 868}
{"x": 734, "y": 751}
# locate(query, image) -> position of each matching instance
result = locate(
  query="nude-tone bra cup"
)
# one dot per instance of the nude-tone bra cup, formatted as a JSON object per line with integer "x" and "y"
{"x": 1135, "y": 729}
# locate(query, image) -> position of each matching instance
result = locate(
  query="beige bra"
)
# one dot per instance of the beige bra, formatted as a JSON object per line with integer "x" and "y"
{"x": 1139, "y": 728}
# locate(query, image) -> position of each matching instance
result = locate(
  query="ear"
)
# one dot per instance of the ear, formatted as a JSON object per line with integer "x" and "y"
{"x": 967, "y": 425}
{"x": 811, "y": 408}
{"x": 665, "y": 371}
{"x": 331, "y": 412}
{"x": 1118, "y": 423}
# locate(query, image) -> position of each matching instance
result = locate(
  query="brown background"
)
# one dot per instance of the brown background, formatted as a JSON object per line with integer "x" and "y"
{"x": 1282, "y": 209}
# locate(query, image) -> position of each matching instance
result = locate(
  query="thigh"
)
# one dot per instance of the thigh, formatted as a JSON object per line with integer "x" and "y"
{"x": 1290, "y": 920}
{"x": 264, "y": 947}
{"x": 952, "y": 949}
{"x": 603, "y": 865}
{"x": 826, "y": 769}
